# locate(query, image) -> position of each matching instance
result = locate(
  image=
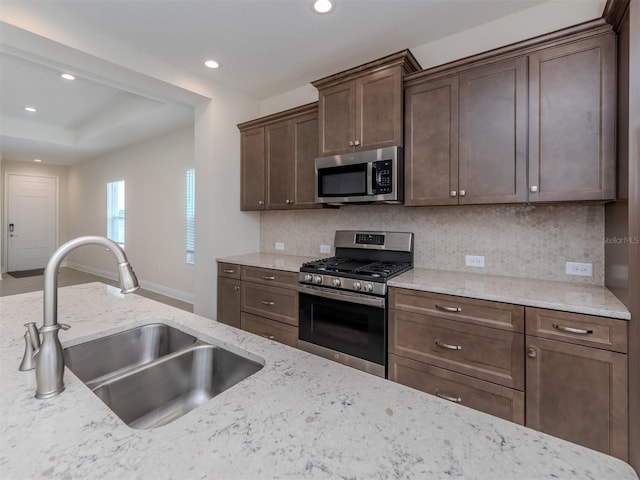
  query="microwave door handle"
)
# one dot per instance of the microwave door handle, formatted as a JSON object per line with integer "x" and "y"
{"x": 371, "y": 176}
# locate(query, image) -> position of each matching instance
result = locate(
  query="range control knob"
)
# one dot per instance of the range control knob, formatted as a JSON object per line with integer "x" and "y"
{"x": 368, "y": 287}
{"x": 336, "y": 282}
{"x": 308, "y": 277}
{"x": 357, "y": 286}
{"x": 317, "y": 279}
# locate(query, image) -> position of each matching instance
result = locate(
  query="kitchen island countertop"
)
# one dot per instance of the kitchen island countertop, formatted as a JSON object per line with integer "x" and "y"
{"x": 299, "y": 417}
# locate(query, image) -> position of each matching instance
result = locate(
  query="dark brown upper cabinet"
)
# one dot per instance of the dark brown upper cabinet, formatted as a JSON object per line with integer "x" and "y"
{"x": 466, "y": 137}
{"x": 362, "y": 108}
{"x": 572, "y": 96}
{"x": 530, "y": 122}
{"x": 278, "y": 154}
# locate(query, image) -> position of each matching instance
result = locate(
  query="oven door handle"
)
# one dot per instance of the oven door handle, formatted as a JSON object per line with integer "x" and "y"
{"x": 343, "y": 296}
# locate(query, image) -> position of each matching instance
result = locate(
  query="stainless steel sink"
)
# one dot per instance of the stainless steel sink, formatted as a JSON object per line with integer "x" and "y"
{"x": 157, "y": 394}
{"x": 151, "y": 375}
{"x": 97, "y": 361}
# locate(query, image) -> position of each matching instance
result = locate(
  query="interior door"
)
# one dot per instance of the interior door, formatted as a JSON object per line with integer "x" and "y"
{"x": 31, "y": 221}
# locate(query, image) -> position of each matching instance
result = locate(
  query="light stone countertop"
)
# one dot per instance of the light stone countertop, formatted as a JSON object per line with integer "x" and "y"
{"x": 568, "y": 297}
{"x": 289, "y": 263}
{"x": 301, "y": 416}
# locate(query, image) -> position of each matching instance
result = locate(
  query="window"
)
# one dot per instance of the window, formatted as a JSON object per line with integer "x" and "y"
{"x": 115, "y": 211}
{"x": 191, "y": 213}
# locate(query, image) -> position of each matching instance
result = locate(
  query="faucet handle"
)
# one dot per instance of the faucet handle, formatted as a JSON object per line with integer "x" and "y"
{"x": 31, "y": 347}
{"x": 64, "y": 326}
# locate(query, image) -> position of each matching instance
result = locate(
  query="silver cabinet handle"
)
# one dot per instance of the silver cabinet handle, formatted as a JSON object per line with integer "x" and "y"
{"x": 288, "y": 202}
{"x": 236, "y": 288}
{"x": 260, "y": 202}
{"x": 453, "y": 193}
{"x": 580, "y": 331}
{"x": 463, "y": 193}
{"x": 448, "y": 309}
{"x": 533, "y": 188}
{"x": 356, "y": 143}
{"x": 268, "y": 277}
{"x": 268, "y": 302}
{"x": 351, "y": 143}
{"x": 448, "y": 346}
{"x": 266, "y": 335}
{"x": 532, "y": 352}
{"x": 229, "y": 270}
{"x": 447, "y": 397}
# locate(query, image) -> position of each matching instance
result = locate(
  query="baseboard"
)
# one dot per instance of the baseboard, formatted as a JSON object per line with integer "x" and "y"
{"x": 152, "y": 287}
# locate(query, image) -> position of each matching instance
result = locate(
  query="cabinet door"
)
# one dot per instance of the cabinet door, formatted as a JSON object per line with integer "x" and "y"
{"x": 578, "y": 393}
{"x": 337, "y": 114}
{"x": 229, "y": 301}
{"x": 493, "y": 133}
{"x": 252, "y": 169}
{"x": 279, "y": 165}
{"x": 378, "y": 121}
{"x": 305, "y": 150}
{"x": 572, "y": 121}
{"x": 431, "y": 143}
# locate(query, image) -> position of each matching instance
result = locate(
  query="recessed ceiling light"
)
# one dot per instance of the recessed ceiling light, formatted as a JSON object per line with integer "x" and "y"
{"x": 37, "y": 160}
{"x": 67, "y": 76}
{"x": 323, "y": 6}
{"x": 30, "y": 109}
{"x": 211, "y": 64}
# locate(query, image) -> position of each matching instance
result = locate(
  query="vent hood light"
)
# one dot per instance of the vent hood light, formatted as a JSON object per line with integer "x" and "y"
{"x": 211, "y": 64}
{"x": 323, "y": 6}
{"x": 30, "y": 109}
{"x": 67, "y": 76}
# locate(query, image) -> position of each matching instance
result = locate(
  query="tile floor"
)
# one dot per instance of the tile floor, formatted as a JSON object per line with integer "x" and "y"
{"x": 69, "y": 276}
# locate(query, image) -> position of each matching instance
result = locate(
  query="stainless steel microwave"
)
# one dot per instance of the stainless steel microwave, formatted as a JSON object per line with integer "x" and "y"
{"x": 371, "y": 176}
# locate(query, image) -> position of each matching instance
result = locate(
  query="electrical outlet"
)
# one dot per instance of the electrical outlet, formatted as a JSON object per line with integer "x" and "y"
{"x": 580, "y": 269}
{"x": 325, "y": 248}
{"x": 474, "y": 261}
{"x": 279, "y": 245}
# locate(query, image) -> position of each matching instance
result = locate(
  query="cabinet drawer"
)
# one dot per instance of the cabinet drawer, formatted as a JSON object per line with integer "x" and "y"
{"x": 269, "y": 276}
{"x": 228, "y": 270}
{"x": 280, "y": 332}
{"x": 588, "y": 330}
{"x": 276, "y": 303}
{"x": 484, "y": 396}
{"x": 479, "y": 312}
{"x": 486, "y": 353}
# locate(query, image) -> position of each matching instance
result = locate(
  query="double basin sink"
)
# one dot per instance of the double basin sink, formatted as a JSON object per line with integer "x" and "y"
{"x": 151, "y": 375}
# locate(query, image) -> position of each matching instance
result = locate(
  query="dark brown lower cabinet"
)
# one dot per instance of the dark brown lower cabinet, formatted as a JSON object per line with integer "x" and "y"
{"x": 229, "y": 301}
{"x": 277, "y": 331}
{"x": 471, "y": 392}
{"x": 578, "y": 393}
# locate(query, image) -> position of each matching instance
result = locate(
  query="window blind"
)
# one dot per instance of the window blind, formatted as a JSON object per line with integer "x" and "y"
{"x": 115, "y": 211}
{"x": 191, "y": 213}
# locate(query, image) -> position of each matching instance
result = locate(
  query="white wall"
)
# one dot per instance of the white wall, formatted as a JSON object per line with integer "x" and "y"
{"x": 155, "y": 225}
{"x": 39, "y": 169}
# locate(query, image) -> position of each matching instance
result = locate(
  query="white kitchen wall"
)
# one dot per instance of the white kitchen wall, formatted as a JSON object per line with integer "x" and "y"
{"x": 32, "y": 168}
{"x": 516, "y": 240}
{"x": 154, "y": 175}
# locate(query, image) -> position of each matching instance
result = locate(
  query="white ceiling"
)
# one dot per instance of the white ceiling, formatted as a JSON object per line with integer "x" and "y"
{"x": 265, "y": 48}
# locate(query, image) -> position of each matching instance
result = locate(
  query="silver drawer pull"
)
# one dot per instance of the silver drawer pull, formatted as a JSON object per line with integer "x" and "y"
{"x": 236, "y": 288}
{"x": 447, "y": 346}
{"x": 268, "y": 302}
{"x": 447, "y": 397}
{"x": 448, "y": 309}
{"x": 266, "y": 335}
{"x": 580, "y": 331}
{"x": 229, "y": 270}
{"x": 268, "y": 277}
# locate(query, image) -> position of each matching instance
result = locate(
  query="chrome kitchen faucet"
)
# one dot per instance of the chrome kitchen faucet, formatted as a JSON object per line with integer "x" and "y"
{"x": 48, "y": 356}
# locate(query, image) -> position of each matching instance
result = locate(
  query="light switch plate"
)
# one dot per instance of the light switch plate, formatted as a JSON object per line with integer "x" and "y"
{"x": 279, "y": 245}
{"x": 325, "y": 248}
{"x": 580, "y": 269}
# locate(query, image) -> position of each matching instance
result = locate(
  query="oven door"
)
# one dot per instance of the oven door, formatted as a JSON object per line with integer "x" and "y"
{"x": 353, "y": 324}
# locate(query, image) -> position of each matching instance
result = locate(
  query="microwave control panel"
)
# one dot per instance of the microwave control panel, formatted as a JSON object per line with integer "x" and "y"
{"x": 383, "y": 178}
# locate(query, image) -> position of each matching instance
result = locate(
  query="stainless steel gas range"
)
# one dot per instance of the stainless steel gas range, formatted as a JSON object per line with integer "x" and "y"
{"x": 343, "y": 299}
